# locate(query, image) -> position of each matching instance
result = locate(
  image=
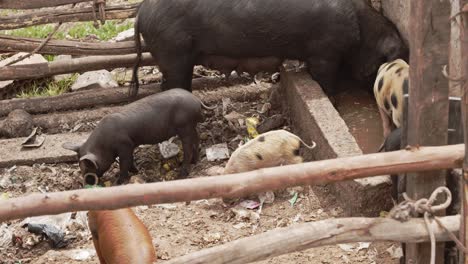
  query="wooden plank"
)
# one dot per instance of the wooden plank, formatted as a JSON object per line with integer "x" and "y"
{"x": 58, "y": 47}
{"x": 236, "y": 185}
{"x": 51, "y": 150}
{"x": 316, "y": 234}
{"x": 91, "y": 63}
{"x": 22, "y": 4}
{"x": 66, "y": 15}
{"x": 428, "y": 103}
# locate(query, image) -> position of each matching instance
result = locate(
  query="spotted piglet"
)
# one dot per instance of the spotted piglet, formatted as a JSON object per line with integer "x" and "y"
{"x": 270, "y": 149}
{"x": 390, "y": 85}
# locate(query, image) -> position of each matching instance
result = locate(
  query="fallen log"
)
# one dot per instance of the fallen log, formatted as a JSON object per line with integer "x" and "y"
{"x": 99, "y": 97}
{"x": 52, "y": 123}
{"x": 91, "y": 63}
{"x": 235, "y": 185}
{"x": 66, "y": 15}
{"x": 317, "y": 234}
{"x": 15, "y": 4}
{"x": 58, "y": 47}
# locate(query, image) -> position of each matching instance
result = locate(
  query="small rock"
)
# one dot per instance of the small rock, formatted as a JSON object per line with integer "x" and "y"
{"x": 35, "y": 58}
{"x": 18, "y": 123}
{"x": 125, "y": 35}
{"x": 94, "y": 79}
{"x": 62, "y": 76}
{"x": 217, "y": 152}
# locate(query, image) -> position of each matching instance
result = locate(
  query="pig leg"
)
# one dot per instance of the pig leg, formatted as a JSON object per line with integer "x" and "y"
{"x": 188, "y": 141}
{"x": 126, "y": 164}
{"x": 195, "y": 145}
{"x": 177, "y": 70}
{"x": 324, "y": 71}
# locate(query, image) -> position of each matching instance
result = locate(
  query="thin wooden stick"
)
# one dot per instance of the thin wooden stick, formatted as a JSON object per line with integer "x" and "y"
{"x": 15, "y": 4}
{"x": 316, "y": 234}
{"x": 235, "y": 185}
{"x": 44, "y": 42}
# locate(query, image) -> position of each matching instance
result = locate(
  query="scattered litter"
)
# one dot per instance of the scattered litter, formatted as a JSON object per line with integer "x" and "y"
{"x": 265, "y": 108}
{"x": 167, "y": 206}
{"x": 54, "y": 234}
{"x": 52, "y": 226}
{"x": 395, "y": 252}
{"x": 383, "y": 214}
{"x": 107, "y": 184}
{"x": 240, "y": 225}
{"x": 217, "y": 152}
{"x": 249, "y": 204}
{"x": 275, "y": 77}
{"x": 346, "y": 247}
{"x": 363, "y": 245}
{"x": 226, "y": 103}
{"x": 265, "y": 197}
{"x": 235, "y": 118}
{"x": 125, "y": 35}
{"x": 5, "y": 235}
{"x": 251, "y": 124}
{"x": 297, "y": 218}
{"x": 13, "y": 168}
{"x": 293, "y": 200}
{"x": 5, "y": 196}
{"x": 168, "y": 149}
{"x": 243, "y": 214}
{"x": 33, "y": 140}
{"x": 79, "y": 254}
{"x": 345, "y": 258}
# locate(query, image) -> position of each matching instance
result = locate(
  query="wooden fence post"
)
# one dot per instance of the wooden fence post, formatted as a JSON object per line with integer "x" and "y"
{"x": 464, "y": 78}
{"x": 428, "y": 102}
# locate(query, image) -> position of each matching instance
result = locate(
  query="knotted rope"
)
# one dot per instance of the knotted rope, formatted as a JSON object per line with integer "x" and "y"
{"x": 409, "y": 207}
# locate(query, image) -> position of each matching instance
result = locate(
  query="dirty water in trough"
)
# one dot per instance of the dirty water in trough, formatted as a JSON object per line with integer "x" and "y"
{"x": 178, "y": 229}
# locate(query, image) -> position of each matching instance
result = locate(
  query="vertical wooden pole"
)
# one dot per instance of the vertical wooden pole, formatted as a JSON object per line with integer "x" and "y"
{"x": 464, "y": 103}
{"x": 428, "y": 102}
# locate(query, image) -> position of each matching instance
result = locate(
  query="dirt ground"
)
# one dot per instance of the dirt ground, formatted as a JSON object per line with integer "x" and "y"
{"x": 178, "y": 229}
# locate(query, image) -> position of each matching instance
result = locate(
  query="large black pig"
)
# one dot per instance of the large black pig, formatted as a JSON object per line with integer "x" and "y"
{"x": 325, "y": 34}
{"x": 150, "y": 120}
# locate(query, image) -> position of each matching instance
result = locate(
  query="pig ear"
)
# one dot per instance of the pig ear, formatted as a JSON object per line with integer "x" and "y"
{"x": 90, "y": 161}
{"x": 72, "y": 146}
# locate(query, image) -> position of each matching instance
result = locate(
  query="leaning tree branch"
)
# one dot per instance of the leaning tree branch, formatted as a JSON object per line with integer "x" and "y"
{"x": 66, "y": 15}
{"x": 317, "y": 234}
{"x": 58, "y": 47}
{"x": 235, "y": 185}
{"x": 44, "y": 42}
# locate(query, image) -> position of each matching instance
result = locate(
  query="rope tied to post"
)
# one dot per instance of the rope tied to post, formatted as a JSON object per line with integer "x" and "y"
{"x": 409, "y": 207}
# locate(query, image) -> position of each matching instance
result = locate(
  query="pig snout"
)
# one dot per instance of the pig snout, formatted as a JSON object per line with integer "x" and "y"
{"x": 119, "y": 236}
{"x": 390, "y": 85}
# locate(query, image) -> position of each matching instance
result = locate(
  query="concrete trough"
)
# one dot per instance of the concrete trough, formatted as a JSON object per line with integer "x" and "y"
{"x": 315, "y": 118}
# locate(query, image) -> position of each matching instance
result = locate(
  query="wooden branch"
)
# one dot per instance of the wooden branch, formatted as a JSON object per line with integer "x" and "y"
{"x": 66, "y": 15}
{"x": 38, "y": 48}
{"x": 428, "y": 103}
{"x": 98, "y": 97}
{"x": 317, "y": 234}
{"x": 15, "y": 4}
{"x": 41, "y": 70}
{"x": 234, "y": 185}
{"x": 57, "y": 47}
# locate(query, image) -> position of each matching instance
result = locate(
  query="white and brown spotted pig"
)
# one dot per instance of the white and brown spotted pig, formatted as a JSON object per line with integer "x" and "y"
{"x": 390, "y": 85}
{"x": 270, "y": 149}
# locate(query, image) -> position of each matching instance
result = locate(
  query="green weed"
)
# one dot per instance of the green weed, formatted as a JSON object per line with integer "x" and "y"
{"x": 51, "y": 88}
